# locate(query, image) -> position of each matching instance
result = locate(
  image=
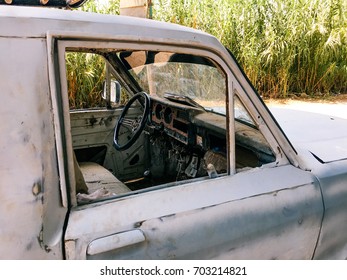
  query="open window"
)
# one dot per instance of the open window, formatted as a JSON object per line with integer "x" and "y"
{"x": 92, "y": 82}
{"x": 185, "y": 137}
{"x": 251, "y": 147}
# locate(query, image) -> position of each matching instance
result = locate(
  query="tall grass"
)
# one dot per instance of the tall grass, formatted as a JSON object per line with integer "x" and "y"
{"x": 85, "y": 76}
{"x": 85, "y": 71}
{"x": 285, "y": 47}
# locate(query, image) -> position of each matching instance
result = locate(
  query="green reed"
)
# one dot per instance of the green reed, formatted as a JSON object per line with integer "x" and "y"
{"x": 286, "y": 47}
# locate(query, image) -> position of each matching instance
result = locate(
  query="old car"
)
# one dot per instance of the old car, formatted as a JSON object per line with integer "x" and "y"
{"x": 183, "y": 160}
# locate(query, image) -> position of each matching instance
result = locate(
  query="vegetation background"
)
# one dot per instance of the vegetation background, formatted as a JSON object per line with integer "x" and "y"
{"x": 286, "y": 47}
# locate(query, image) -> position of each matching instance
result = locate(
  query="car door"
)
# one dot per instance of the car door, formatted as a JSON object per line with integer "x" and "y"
{"x": 267, "y": 213}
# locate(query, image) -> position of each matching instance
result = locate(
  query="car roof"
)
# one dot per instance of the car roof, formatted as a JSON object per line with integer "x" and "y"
{"x": 34, "y": 22}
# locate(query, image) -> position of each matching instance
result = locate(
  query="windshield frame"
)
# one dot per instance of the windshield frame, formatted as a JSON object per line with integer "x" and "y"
{"x": 177, "y": 75}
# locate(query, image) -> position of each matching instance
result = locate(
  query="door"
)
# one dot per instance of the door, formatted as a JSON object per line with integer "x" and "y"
{"x": 238, "y": 215}
{"x": 233, "y": 217}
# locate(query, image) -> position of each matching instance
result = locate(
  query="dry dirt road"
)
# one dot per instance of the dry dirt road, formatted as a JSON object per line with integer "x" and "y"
{"x": 334, "y": 107}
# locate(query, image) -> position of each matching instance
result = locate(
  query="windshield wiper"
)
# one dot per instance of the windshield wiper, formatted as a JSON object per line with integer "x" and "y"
{"x": 185, "y": 100}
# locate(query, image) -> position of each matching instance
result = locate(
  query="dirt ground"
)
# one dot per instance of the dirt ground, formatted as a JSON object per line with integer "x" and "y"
{"x": 334, "y": 106}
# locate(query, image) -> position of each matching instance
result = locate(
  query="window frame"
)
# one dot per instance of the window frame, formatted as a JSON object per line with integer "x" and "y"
{"x": 59, "y": 44}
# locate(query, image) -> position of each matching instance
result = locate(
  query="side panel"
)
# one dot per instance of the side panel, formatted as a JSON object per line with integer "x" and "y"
{"x": 31, "y": 216}
{"x": 270, "y": 213}
{"x": 333, "y": 238}
{"x": 94, "y": 129}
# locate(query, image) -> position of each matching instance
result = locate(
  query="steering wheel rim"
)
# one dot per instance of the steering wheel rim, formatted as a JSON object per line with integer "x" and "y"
{"x": 137, "y": 125}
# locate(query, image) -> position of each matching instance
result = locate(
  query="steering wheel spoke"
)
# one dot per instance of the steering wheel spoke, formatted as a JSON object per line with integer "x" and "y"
{"x": 131, "y": 123}
{"x": 134, "y": 125}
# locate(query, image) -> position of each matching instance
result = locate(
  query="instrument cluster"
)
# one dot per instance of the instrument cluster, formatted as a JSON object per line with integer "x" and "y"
{"x": 174, "y": 121}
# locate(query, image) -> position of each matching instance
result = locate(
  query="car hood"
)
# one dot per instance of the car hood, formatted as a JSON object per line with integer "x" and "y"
{"x": 324, "y": 136}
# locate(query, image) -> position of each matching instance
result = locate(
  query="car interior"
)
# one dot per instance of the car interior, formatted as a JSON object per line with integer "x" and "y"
{"x": 161, "y": 123}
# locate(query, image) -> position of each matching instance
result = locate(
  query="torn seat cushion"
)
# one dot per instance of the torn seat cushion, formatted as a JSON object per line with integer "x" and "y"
{"x": 98, "y": 177}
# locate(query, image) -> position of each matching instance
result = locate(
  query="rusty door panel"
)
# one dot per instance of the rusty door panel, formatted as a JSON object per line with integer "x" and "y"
{"x": 240, "y": 217}
{"x": 95, "y": 128}
{"x": 332, "y": 242}
{"x": 31, "y": 214}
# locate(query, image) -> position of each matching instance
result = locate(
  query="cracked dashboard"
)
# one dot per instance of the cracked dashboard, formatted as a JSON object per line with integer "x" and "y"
{"x": 175, "y": 122}
{"x": 189, "y": 125}
{"x": 197, "y": 128}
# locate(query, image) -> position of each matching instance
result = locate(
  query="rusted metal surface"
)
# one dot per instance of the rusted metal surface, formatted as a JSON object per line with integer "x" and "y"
{"x": 333, "y": 180}
{"x": 238, "y": 218}
{"x": 31, "y": 214}
{"x": 292, "y": 198}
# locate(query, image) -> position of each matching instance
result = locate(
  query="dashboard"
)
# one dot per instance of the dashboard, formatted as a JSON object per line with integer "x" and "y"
{"x": 174, "y": 121}
{"x": 206, "y": 131}
{"x": 189, "y": 125}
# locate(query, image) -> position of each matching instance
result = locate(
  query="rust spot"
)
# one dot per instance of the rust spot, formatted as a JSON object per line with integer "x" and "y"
{"x": 163, "y": 218}
{"x": 36, "y": 189}
{"x": 47, "y": 249}
{"x": 102, "y": 121}
{"x": 108, "y": 121}
{"x": 29, "y": 246}
{"x": 26, "y": 138}
{"x": 92, "y": 121}
{"x": 287, "y": 212}
{"x": 138, "y": 224}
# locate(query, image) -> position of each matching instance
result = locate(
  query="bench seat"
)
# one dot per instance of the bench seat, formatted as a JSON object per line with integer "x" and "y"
{"x": 97, "y": 176}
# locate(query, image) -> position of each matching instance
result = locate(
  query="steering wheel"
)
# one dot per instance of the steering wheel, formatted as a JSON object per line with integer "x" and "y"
{"x": 128, "y": 129}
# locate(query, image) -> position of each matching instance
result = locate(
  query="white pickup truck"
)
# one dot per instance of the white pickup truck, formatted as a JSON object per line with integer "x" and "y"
{"x": 181, "y": 159}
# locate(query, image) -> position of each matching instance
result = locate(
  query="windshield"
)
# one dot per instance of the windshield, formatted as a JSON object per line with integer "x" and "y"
{"x": 193, "y": 80}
